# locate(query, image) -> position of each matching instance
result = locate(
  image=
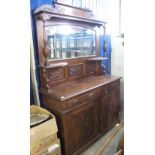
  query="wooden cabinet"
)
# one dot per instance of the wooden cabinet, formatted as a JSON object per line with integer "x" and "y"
{"x": 74, "y": 87}
{"x": 85, "y": 113}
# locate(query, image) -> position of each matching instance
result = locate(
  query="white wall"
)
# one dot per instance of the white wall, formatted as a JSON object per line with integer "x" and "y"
{"x": 117, "y": 63}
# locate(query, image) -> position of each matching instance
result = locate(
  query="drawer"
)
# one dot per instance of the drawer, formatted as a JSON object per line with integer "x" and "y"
{"x": 91, "y": 95}
{"x": 108, "y": 88}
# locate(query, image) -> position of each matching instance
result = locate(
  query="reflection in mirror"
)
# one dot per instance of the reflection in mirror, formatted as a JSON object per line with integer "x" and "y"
{"x": 65, "y": 41}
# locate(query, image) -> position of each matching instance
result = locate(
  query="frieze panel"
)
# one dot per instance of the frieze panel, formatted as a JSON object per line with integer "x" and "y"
{"x": 56, "y": 74}
{"x": 75, "y": 70}
{"x": 83, "y": 126}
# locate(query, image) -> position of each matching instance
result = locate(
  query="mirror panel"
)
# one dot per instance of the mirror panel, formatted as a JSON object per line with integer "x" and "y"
{"x": 66, "y": 41}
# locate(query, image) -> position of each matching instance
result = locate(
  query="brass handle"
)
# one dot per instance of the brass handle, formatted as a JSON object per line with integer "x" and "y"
{"x": 106, "y": 91}
{"x": 75, "y": 102}
{"x": 91, "y": 95}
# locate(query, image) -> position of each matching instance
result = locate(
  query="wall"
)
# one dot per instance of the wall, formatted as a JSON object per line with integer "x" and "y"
{"x": 117, "y": 63}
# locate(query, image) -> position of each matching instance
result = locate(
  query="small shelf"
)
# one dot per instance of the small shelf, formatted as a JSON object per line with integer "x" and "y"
{"x": 55, "y": 65}
{"x": 96, "y": 59}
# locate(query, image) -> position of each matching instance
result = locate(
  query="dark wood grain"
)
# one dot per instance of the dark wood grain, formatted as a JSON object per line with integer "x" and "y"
{"x": 75, "y": 88}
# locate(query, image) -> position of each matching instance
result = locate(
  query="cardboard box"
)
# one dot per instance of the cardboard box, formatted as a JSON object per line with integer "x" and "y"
{"x": 43, "y": 134}
{"x": 53, "y": 149}
{"x": 43, "y": 143}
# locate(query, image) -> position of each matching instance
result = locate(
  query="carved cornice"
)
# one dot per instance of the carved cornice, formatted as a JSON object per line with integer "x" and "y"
{"x": 44, "y": 8}
{"x": 66, "y": 12}
{"x": 44, "y": 17}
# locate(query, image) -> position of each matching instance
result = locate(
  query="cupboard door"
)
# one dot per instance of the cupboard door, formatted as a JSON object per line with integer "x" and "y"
{"x": 109, "y": 109}
{"x": 105, "y": 110}
{"x": 114, "y": 102}
{"x": 84, "y": 124}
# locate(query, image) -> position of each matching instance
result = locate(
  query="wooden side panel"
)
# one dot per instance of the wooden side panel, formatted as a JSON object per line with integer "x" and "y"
{"x": 109, "y": 107}
{"x": 91, "y": 68}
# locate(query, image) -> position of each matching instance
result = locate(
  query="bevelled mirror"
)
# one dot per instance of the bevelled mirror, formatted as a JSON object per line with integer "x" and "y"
{"x": 67, "y": 41}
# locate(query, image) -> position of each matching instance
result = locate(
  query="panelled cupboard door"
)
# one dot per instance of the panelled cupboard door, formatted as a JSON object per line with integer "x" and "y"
{"x": 109, "y": 110}
{"x": 84, "y": 124}
{"x": 104, "y": 113}
{"x": 114, "y": 101}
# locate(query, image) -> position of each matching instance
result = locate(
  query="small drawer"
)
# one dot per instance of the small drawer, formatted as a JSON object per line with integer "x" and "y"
{"x": 73, "y": 102}
{"x": 91, "y": 95}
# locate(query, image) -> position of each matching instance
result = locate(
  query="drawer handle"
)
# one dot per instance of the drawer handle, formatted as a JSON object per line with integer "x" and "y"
{"x": 106, "y": 91}
{"x": 91, "y": 95}
{"x": 75, "y": 102}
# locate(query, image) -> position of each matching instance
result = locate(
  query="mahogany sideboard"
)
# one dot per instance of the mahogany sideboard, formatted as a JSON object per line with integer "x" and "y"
{"x": 74, "y": 86}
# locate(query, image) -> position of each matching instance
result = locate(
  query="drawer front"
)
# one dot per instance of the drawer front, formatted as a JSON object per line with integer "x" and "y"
{"x": 91, "y": 95}
{"x": 108, "y": 88}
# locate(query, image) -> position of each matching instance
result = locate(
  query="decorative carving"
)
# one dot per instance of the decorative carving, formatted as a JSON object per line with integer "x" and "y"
{"x": 105, "y": 48}
{"x": 46, "y": 53}
{"x": 45, "y": 75}
{"x": 83, "y": 125}
{"x": 75, "y": 70}
{"x": 44, "y": 17}
{"x": 49, "y": 8}
{"x": 45, "y": 78}
{"x": 91, "y": 67}
{"x": 60, "y": 10}
{"x": 56, "y": 74}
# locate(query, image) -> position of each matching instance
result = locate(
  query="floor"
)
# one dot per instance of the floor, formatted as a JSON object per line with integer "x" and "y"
{"x": 107, "y": 145}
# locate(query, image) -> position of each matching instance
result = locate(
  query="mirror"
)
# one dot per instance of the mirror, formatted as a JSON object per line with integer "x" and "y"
{"x": 66, "y": 41}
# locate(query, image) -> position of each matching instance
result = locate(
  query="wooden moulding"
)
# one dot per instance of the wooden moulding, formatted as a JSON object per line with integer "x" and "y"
{"x": 96, "y": 59}
{"x": 67, "y": 12}
{"x": 55, "y": 65}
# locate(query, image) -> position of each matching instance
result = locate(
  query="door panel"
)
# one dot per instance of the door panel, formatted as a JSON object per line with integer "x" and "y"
{"x": 104, "y": 113}
{"x": 109, "y": 110}
{"x": 114, "y": 102}
{"x": 84, "y": 124}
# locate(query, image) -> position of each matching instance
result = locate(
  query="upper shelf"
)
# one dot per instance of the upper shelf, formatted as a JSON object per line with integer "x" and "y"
{"x": 96, "y": 59}
{"x": 55, "y": 65}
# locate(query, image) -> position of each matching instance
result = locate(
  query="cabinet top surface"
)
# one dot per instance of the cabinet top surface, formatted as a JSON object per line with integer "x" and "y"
{"x": 71, "y": 89}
